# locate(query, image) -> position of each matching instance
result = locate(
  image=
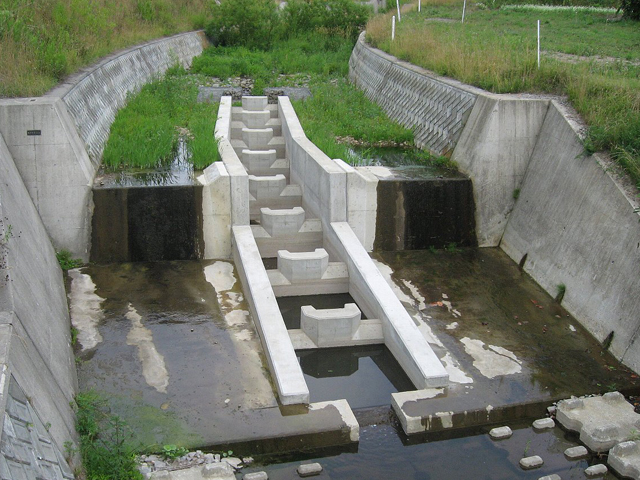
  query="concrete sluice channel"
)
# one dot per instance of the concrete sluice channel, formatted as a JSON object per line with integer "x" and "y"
{"x": 190, "y": 352}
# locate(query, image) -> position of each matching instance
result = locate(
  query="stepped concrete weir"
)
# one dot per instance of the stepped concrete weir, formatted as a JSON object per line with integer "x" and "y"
{"x": 291, "y": 202}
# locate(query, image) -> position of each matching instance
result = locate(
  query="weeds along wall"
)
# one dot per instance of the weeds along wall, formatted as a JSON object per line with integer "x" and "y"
{"x": 570, "y": 222}
{"x": 37, "y": 367}
{"x": 57, "y": 140}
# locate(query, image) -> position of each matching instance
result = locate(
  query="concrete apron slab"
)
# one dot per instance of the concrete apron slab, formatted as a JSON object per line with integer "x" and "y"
{"x": 509, "y": 348}
{"x": 173, "y": 347}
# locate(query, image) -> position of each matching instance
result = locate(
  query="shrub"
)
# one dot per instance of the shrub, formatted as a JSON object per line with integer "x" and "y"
{"x": 631, "y": 9}
{"x": 250, "y": 23}
{"x": 334, "y": 17}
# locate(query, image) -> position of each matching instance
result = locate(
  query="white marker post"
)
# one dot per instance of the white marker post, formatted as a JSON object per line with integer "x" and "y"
{"x": 464, "y": 7}
{"x": 393, "y": 27}
{"x": 419, "y": 5}
{"x": 538, "y": 43}
{"x": 398, "y": 5}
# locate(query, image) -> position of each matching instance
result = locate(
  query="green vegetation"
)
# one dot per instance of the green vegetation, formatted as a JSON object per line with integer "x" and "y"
{"x": 105, "y": 446}
{"x": 606, "y": 94}
{"x": 173, "y": 451}
{"x": 43, "y": 41}
{"x": 66, "y": 261}
{"x": 146, "y": 133}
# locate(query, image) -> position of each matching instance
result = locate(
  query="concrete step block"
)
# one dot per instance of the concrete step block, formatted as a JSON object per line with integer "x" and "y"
{"x": 330, "y": 326}
{"x": 236, "y": 114}
{"x": 255, "y": 119}
{"x": 236, "y": 130}
{"x": 257, "y": 162}
{"x": 303, "y": 266}
{"x": 276, "y": 124}
{"x": 369, "y": 332}
{"x": 257, "y": 138}
{"x": 282, "y": 222}
{"x": 238, "y": 146}
{"x": 254, "y": 103}
{"x": 266, "y": 187}
{"x": 309, "y": 237}
{"x": 334, "y": 280}
{"x": 279, "y": 145}
{"x": 624, "y": 458}
{"x": 290, "y": 197}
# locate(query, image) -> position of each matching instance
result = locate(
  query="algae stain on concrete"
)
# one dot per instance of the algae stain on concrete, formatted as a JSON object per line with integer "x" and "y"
{"x": 153, "y": 366}
{"x": 85, "y": 309}
{"x": 491, "y": 361}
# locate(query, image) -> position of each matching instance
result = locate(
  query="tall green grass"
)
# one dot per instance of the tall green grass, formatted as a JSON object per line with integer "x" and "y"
{"x": 43, "y": 41}
{"x": 146, "y": 131}
{"x": 607, "y": 95}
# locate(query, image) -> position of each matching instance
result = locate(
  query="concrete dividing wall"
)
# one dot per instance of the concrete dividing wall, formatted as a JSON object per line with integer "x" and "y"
{"x": 572, "y": 219}
{"x": 578, "y": 228}
{"x": 57, "y": 140}
{"x": 35, "y": 340}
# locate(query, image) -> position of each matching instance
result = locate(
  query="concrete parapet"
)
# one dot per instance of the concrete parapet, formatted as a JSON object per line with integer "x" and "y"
{"x": 257, "y": 138}
{"x": 624, "y": 458}
{"x": 255, "y": 103}
{"x": 256, "y": 119}
{"x": 303, "y": 266}
{"x": 282, "y": 222}
{"x": 602, "y": 421}
{"x": 283, "y": 363}
{"x": 331, "y": 326}
{"x": 216, "y": 211}
{"x": 374, "y": 295}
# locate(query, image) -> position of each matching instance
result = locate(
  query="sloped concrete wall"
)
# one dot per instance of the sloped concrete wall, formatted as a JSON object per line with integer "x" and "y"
{"x": 579, "y": 228}
{"x": 68, "y": 129}
{"x": 35, "y": 339}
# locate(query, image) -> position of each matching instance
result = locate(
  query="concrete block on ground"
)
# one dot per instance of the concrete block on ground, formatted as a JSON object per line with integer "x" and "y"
{"x": 598, "y": 470}
{"x": 330, "y": 326}
{"x": 624, "y": 458}
{"x": 266, "y": 187}
{"x": 255, "y": 119}
{"x": 576, "y": 453}
{"x": 399, "y": 402}
{"x": 282, "y": 222}
{"x": 309, "y": 469}
{"x": 529, "y": 463}
{"x": 257, "y": 138}
{"x": 553, "y": 476}
{"x": 500, "y": 433}
{"x": 544, "y": 424}
{"x": 256, "y": 476}
{"x": 255, "y": 103}
{"x": 602, "y": 421}
{"x": 303, "y": 266}
{"x": 217, "y": 470}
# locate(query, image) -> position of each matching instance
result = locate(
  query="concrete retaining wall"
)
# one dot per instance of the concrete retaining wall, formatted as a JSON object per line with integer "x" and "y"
{"x": 536, "y": 195}
{"x": 57, "y": 140}
{"x": 35, "y": 340}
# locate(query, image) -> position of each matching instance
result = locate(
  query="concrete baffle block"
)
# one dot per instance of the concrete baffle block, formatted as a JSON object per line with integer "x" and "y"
{"x": 576, "y": 453}
{"x": 624, "y": 458}
{"x": 255, "y": 103}
{"x": 257, "y": 138}
{"x": 255, "y": 119}
{"x": 266, "y": 187}
{"x": 529, "y": 463}
{"x": 602, "y": 421}
{"x": 256, "y": 476}
{"x": 309, "y": 469}
{"x": 258, "y": 162}
{"x": 283, "y": 222}
{"x": 544, "y": 424}
{"x": 331, "y": 326}
{"x": 303, "y": 266}
{"x": 598, "y": 470}
{"x": 500, "y": 433}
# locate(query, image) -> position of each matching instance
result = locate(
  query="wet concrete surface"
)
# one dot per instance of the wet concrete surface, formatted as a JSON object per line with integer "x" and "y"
{"x": 505, "y": 342}
{"x": 174, "y": 349}
{"x": 384, "y": 453}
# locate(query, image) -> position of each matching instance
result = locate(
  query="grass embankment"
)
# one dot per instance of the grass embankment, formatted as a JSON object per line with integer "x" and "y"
{"x": 496, "y": 50}
{"x": 43, "y": 41}
{"x": 144, "y": 133}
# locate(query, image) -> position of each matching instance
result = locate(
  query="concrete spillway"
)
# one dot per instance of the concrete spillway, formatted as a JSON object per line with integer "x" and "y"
{"x": 290, "y": 201}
